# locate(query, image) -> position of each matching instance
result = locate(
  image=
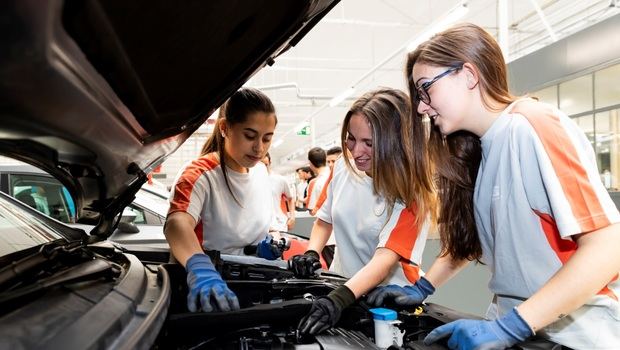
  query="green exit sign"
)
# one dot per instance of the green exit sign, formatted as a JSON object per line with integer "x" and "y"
{"x": 305, "y": 131}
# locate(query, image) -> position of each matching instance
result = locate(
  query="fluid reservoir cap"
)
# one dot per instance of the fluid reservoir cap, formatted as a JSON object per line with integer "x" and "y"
{"x": 383, "y": 314}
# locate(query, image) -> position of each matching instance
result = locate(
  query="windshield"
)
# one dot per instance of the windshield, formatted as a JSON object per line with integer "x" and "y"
{"x": 19, "y": 230}
{"x": 153, "y": 202}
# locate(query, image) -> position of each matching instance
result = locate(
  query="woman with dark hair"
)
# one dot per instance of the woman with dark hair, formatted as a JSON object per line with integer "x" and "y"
{"x": 226, "y": 183}
{"x": 379, "y": 209}
{"x": 520, "y": 192}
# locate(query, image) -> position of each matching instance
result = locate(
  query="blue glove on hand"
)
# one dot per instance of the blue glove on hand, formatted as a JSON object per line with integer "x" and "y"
{"x": 267, "y": 250}
{"x": 207, "y": 291}
{"x": 402, "y": 296}
{"x": 479, "y": 334}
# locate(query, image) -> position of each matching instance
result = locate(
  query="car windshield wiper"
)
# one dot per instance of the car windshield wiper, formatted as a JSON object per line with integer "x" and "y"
{"x": 32, "y": 263}
{"x": 86, "y": 271}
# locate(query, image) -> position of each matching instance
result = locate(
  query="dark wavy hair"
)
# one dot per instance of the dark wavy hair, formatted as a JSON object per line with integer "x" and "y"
{"x": 235, "y": 111}
{"x": 401, "y": 170}
{"x": 457, "y": 156}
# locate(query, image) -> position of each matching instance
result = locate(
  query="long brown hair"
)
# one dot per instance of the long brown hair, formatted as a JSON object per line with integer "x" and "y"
{"x": 457, "y": 156}
{"x": 235, "y": 111}
{"x": 401, "y": 170}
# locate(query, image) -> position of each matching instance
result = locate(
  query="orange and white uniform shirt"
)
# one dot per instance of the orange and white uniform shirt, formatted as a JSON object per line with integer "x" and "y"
{"x": 537, "y": 186}
{"x": 280, "y": 194}
{"x": 361, "y": 225}
{"x": 316, "y": 187}
{"x": 221, "y": 223}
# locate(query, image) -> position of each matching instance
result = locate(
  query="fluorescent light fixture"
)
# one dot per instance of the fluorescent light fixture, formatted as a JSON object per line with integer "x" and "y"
{"x": 544, "y": 20}
{"x": 442, "y": 23}
{"x": 341, "y": 97}
{"x": 277, "y": 143}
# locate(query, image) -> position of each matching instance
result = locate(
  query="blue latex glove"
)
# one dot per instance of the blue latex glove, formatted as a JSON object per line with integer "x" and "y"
{"x": 266, "y": 250}
{"x": 402, "y": 296}
{"x": 207, "y": 291}
{"x": 479, "y": 334}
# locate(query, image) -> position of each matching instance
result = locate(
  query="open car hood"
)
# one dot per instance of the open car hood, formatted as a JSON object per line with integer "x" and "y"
{"x": 98, "y": 93}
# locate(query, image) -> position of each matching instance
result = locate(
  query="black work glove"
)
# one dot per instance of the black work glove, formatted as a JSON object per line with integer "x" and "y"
{"x": 326, "y": 311}
{"x": 304, "y": 265}
{"x": 402, "y": 296}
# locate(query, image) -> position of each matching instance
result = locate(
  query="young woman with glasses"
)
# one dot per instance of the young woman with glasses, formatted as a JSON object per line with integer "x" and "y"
{"x": 520, "y": 192}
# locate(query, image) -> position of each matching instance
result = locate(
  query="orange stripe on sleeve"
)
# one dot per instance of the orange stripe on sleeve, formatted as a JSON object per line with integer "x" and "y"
{"x": 573, "y": 178}
{"x": 323, "y": 195}
{"x": 402, "y": 241}
{"x": 185, "y": 184}
{"x": 283, "y": 205}
{"x": 411, "y": 271}
{"x": 563, "y": 248}
{"x": 309, "y": 192}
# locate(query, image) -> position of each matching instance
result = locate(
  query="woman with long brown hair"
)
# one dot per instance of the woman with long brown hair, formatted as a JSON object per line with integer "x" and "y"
{"x": 226, "y": 183}
{"x": 519, "y": 191}
{"x": 379, "y": 209}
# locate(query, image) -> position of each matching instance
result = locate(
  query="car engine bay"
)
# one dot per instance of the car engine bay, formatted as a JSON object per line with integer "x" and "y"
{"x": 272, "y": 304}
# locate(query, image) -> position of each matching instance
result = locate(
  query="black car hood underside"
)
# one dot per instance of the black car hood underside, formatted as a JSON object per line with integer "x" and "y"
{"x": 98, "y": 93}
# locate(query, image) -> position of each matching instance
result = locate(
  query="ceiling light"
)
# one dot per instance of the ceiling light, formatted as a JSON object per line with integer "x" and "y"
{"x": 544, "y": 20}
{"x": 341, "y": 97}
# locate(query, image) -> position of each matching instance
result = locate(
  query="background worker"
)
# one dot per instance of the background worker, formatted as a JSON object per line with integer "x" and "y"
{"x": 282, "y": 199}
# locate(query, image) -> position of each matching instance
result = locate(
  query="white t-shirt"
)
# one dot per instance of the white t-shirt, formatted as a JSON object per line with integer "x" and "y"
{"x": 319, "y": 182}
{"x": 280, "y": 194}
{"x": 300, "y": 189}
{"x": 537, "y": 186}
{"x": 221, "y": 223}
{"x": 360, "y": 225}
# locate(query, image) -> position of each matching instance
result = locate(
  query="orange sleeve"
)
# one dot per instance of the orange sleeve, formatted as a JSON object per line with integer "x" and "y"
{"x": 323, "y": 195}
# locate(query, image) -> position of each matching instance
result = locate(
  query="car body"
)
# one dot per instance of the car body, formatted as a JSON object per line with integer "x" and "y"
{"x": 46, "y": 194}
{"x": 97, "y": 94}
{"x": 141, "y": 226}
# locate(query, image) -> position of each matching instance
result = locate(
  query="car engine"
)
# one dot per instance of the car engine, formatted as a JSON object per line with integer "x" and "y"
{"x": 272, "y": 304}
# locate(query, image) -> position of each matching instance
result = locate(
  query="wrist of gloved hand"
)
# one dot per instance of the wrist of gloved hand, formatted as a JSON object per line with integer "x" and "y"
{"x": 312, "y": 253}
{"x": 474, "y": 334}
{"x": 513, "y": 324}
{"x": 401, "y": 296}
{"x": 342, "y": 296}
{"x": 425, "y": 287}
{"x": 325, "y": 311}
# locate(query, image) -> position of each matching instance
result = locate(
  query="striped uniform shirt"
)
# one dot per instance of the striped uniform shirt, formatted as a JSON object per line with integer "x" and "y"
{"x": 316, "y": 186}
{"x": 222, "y": 223}
{"x": 280, "y": 194}
{"x": 361, "y": 225}
{"x": 537, "y": 186}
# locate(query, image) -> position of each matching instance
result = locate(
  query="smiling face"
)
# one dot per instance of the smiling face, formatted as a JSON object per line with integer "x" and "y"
{"x": 448, "y": 96}
{"x": 247, "y": 143}
{"x": 359, "y": 142}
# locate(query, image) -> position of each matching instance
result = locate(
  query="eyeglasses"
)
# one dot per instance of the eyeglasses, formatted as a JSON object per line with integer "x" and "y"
{"x": 423, "y": 89}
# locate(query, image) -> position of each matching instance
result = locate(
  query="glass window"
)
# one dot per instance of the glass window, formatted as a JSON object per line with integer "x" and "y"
{"x": 43, "y": 193}
{"x": 607, "y": 87}
{"x": 586, "y": 123}
{"x": 547, "y": 95}
{"x": 19, "y": 230}
{"x": 140, "y": 219}
{"x": 608, "y": 147}
{"x": 576, "y": 95}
